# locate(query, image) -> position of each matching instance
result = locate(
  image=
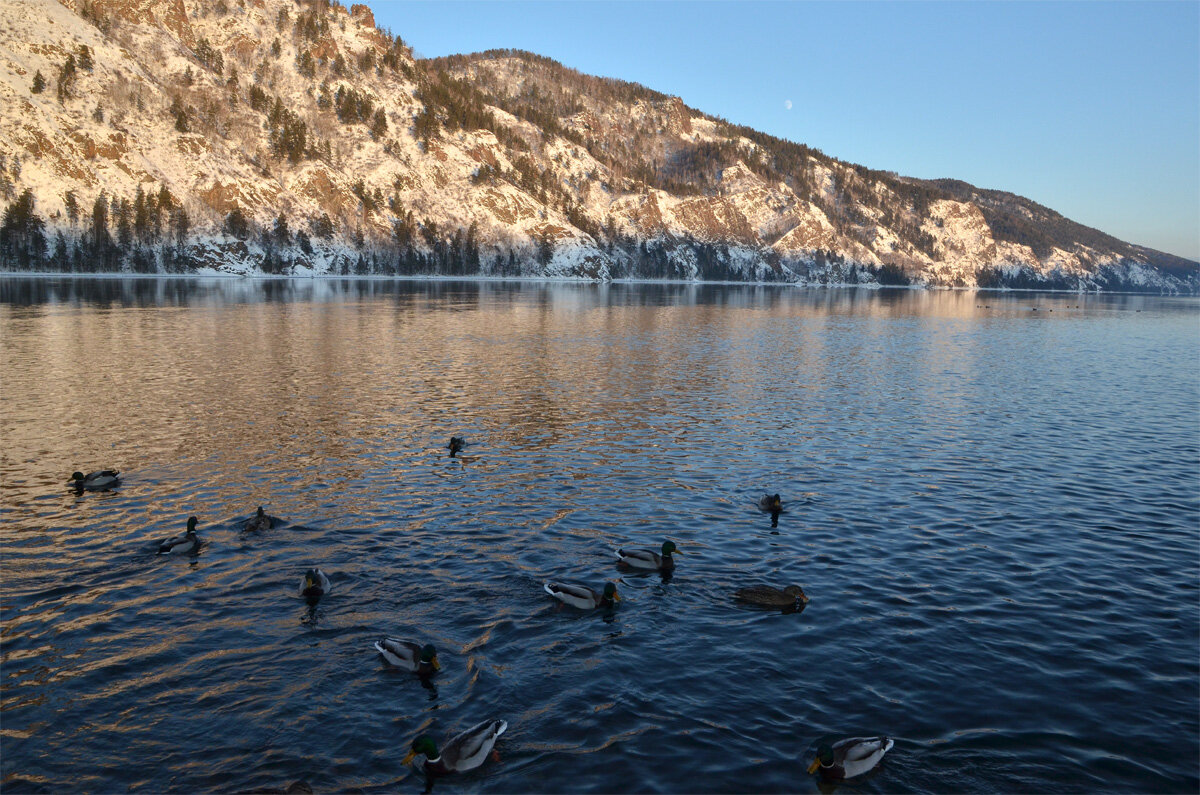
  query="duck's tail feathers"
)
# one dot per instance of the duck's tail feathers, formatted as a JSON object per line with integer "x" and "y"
{"x": 888, "y": 742}
{"x": 549, "y": 588}
{"x": 500, "y": 728}
{"x": 379, "y": 646}
{"x": 620, "y": 553}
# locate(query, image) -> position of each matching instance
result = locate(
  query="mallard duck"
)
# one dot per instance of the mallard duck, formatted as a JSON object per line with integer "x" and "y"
{"x": 456, "y": 443}
{"x": 849, "y": 758}
{"x": 770, "y": 503}
{"x": 465, "y": 751}
{"x": 648, "y": 559}
{"x": 188, "y": 542}
{"x": 772, "y": 597}
{"x": 314, "y": 585}
{"x": 259, "y": 521}
{"x": 96, "y": 481}
{"x": 583, "y": 597}
{"x": 409, "y": 655}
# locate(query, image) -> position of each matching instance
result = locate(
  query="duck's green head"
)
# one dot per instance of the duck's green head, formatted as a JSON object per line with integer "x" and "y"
{"x": 192, "y": 520}
{"x": 422, "y": 745}
{"x": 824, "y": 758}
{"x": 76, "y": 476}
{"x": 776, "y": 502}
{"x": 429, "y": 656}
{"x": 260, "y": 512}
{"x": 796, "y": 592}
{"x": 668, "y": 548}
{"x": 610, "y": 593}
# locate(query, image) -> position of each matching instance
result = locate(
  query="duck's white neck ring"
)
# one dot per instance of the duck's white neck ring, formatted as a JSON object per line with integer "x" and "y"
{"x": 826, "y": 766}
{"x": 433, "y": 761}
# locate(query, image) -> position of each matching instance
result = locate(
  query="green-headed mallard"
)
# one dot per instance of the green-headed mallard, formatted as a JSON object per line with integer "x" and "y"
{"x": 772, "y": 597}
{"x": 456, "y": 443}
{"x": 188, "y": 542}
{"x": 410, "y": 656}
{"x": 465, "y": 751}
{"x": 96, "y": 481}
{"x": 849, "y": 758}
{"x": 648, "y": 559}
{"x": 583, "y": 597}
{"x": 314, "y": 585}
{"x": 259, "y": 521}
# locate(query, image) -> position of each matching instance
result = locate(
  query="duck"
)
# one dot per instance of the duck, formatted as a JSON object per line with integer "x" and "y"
{"x": 409, "y": 655}
{"x": 96, "y": 481}
{"x": 583, "y": 597}
{"x": 850, "y": 757}
{"x": 260, "y": 521}
{"x": 465, "y": 751}
{"x": 770, "y": 503}
{"x": 772, "y": 597}
{"x": 648, "y": 559}
{"x": 188, "y": 542}
{"x": 456, "y": 443}
{"x": 314, "y": 585}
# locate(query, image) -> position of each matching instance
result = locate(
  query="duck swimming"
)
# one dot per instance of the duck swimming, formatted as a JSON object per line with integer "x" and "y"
{"x": 457, "y": 443}
{"x": 583, "y": 597}
{"x": 188, "y": 542}
{"x": 770, "y": 503}
{"x": 410, "y": 656}
{"x": 772, "y": 597}
{"x": 849, "y": 758}
{"x": 465, "y": 751}
{"x": 649, "y": 560}
{"x": 314, "y": 585}
{"x": 260, "y": 521}
{"x": 99, "y": 480}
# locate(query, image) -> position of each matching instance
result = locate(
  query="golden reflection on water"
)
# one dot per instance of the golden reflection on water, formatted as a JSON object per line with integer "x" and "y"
{"x": 301, "y": 376}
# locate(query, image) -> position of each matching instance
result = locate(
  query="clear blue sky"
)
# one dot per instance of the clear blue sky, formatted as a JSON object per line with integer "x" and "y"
{"x": 1090, "y": 108}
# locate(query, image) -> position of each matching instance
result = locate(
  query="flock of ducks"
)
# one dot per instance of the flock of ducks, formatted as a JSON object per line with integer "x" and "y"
{"x": 845, "y": 759}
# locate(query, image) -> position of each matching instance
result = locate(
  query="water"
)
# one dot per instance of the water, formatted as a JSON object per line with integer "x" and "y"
{"x": 993, "y": 503}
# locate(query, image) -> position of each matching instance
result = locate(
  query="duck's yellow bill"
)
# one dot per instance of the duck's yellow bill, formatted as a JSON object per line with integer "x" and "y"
{"x": 437, "y": 666}
{"x": 411, "y": 754}
{"x": 616, "y": 597}
{"x": 811, "y": 768}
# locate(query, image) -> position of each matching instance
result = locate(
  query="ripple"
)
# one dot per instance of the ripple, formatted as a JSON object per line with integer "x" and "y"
{"x": 997, "y": 536}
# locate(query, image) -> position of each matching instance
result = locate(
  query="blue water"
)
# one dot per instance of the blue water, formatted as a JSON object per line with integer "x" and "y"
{"x": 993, "y": 502}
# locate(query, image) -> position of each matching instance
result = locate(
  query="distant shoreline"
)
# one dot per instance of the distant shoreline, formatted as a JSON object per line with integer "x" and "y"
{"x": 233, "y": 277}
{"x": 571, "y": 280}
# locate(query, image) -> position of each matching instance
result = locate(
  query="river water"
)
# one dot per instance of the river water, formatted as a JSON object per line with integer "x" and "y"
{"x": 993, "y": 503}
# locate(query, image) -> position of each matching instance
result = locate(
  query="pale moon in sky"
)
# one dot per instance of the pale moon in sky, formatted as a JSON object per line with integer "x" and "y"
{"x": 787, "y": 103}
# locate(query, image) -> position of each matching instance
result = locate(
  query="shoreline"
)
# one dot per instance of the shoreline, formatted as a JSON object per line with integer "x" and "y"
{"x": 563, "y": 280}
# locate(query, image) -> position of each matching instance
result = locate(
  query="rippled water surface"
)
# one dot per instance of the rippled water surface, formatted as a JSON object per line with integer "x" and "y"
{"x": 993, "y": 502}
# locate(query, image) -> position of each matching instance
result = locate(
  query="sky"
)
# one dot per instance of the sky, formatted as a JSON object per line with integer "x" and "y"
{"x": 1091, "y": 108}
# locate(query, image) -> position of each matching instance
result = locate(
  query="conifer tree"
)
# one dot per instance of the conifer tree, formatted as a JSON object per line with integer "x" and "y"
{"x": 99, "y": 236}
{"x": 66, "y": 78}
{"x": 39, "y": 83}
{"x": 280, "y": 234}
{"x": 22, "y": 236}
{"x": 237, "y": 224}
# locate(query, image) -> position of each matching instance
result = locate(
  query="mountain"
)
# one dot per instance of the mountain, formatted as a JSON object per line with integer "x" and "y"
{"x": 281, "y": 137}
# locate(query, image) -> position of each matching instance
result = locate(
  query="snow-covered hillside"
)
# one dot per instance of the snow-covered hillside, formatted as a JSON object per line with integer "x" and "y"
{"x": 269, "y": 135}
